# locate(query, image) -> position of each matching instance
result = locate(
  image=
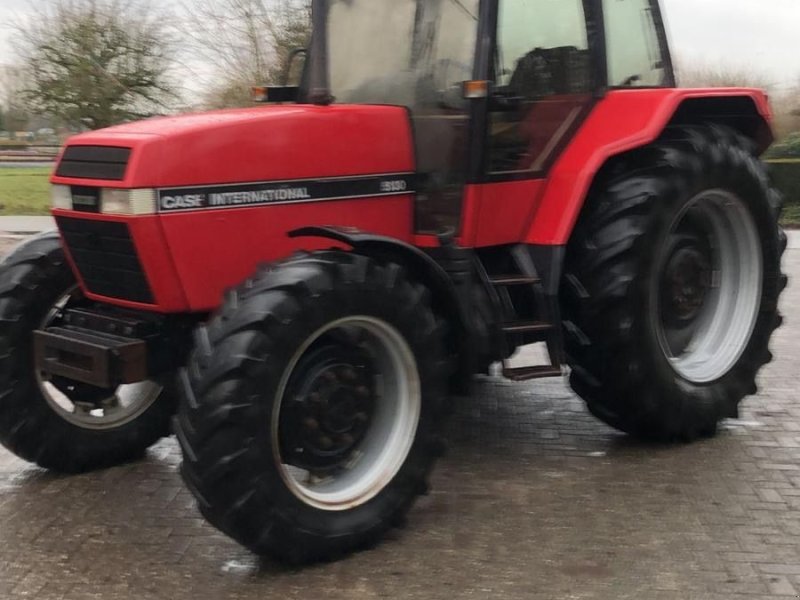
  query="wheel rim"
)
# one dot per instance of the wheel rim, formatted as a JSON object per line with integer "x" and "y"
{"x": 346, "y": 413}
{"x": 87, "y": 406}
{"x": 708, "y": 289}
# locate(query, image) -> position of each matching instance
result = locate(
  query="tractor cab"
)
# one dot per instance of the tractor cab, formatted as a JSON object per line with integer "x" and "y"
{"x": 494, "y": 89}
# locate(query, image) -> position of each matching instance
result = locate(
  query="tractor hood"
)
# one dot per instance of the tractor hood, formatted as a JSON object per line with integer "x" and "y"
{"x": 217, "y": 194}
{"x": 272, "y": 143}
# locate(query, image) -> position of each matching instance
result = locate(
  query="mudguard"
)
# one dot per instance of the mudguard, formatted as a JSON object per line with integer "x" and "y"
{"x": 445, "y": 295}
{"x": 628, "y": 119}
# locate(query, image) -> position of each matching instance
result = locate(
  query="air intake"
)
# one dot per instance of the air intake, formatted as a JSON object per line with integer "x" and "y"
{"x": 106, "y": 258}
{"x": 94, "y": 162}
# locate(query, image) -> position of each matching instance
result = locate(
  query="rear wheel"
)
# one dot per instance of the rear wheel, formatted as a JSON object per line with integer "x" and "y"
{"x": 59, "y": 423}
{"x": 672, "y": 283}
{"x": 314, "y": 406}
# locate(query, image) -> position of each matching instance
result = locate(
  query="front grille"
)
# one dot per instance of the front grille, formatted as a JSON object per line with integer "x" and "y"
{"x": 94, "y": 162}
{"x": 106, "y": 258}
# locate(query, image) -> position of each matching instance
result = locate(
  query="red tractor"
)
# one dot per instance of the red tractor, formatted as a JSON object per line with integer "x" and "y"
{"x": 311, "y": 285}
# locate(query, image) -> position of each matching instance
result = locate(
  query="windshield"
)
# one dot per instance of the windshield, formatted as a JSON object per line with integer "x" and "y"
{"x": 406, "y": 52}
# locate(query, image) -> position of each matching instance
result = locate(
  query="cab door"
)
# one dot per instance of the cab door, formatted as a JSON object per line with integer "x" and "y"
{"x": 445, "y": 38}
{"x": 545, "y": 70}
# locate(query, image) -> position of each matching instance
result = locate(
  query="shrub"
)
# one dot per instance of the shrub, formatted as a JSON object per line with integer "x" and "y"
{"x": 789, "y": 147}
{"x": 786, "y": 175}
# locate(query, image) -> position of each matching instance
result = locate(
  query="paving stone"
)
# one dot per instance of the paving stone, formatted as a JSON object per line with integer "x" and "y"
{"x": 535, "y": 500}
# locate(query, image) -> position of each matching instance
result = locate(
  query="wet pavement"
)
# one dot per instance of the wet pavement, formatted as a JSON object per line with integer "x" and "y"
{"x": 535, "y": 500}
{"x": 26, "y": 225}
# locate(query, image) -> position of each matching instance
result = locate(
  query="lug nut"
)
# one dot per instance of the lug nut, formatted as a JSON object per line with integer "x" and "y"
{"x": 329, "y": 376}
{"x": 349, "y": 374}
{"x": 311, "y": 424}
{"x": 325, "y": 442}
{"x": 362, "y": 391}
{"x": 347, "y": 439}
{"x": 362, "y": 417}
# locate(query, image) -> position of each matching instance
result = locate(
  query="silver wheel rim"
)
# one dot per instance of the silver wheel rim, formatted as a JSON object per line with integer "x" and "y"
{"x": 729, "y": 311}
{"x": 127, "y": 403}
{"x": 381, "y": 453}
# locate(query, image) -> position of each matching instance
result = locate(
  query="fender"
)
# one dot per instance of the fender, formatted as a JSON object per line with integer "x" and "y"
{"x": 446, "y": 297}
{"x": 628, "y": 119}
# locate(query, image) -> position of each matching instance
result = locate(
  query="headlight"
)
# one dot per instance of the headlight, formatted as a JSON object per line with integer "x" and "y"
{"x": 127, "y": 202}
{"x": 61, "y": 196}
{"x": 112, "y": 201}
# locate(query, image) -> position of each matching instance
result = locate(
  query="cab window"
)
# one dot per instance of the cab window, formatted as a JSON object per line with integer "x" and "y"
{"x": 635, "y": 55}
{"x": 543, "y": 82}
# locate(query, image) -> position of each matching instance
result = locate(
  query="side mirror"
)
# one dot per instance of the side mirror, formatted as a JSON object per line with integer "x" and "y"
{"x": 284, "y": 92}
{"x": 287, "y": 73}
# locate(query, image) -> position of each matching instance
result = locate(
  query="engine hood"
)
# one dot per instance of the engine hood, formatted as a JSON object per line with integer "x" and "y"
{"x": 270, "y": 143}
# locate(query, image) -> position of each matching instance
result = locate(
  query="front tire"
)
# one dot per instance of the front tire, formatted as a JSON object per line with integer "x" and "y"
{"x": 313, "y": 406}
{"x": 671, "y": 285}
{"x": 61, "y": 424}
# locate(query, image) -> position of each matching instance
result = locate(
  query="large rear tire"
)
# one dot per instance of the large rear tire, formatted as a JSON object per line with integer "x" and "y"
{"x": 313, "y": 406}
{"x": 61, "y": 424}
{"x": 671, "y": 285}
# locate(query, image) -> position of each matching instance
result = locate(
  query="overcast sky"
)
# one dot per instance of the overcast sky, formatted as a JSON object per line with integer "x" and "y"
{"x": 760, "y": 35}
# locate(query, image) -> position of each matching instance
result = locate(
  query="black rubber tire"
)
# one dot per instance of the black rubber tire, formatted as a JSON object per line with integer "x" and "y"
{"x": 32, "y": 279}
{"x": 230, "y": 389}
{"x": 617, "y": 364}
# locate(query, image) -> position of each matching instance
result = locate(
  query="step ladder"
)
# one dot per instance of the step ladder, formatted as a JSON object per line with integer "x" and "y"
{"x": 541, "y": 328}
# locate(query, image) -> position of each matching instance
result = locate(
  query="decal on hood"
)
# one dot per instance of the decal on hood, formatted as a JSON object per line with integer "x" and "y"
{"x": 284, "y": 192}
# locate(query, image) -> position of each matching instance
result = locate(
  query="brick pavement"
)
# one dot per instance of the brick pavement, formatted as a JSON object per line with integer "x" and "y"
{"x": 535, "y": 500}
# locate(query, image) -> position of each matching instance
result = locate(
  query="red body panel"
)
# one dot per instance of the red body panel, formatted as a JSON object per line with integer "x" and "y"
{"x": 248, "y": 236}
{"x": 498, "y": 213}
{"x": 261, "y": 144}
{"x": 191, "y": 257}
{"x": 622, "y": 121}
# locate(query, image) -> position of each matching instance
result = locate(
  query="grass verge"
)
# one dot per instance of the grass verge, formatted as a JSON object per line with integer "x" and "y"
{"x": 24, "y": 191}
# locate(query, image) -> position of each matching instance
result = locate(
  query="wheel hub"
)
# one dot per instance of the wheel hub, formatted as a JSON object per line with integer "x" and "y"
{"x": 687, "y": 280}
{"x": 332, "y": 403}
{"x": 347, "y": 412}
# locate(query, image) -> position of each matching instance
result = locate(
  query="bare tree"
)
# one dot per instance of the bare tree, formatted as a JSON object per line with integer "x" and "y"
{"x": 793, "y": 108}
{"x": 13, "y": 106}
{"x": 700, "y": 75}
{"x": 786, "y": 107}
{"x": 246, "y": 41}
{"x": 94, "y": 63}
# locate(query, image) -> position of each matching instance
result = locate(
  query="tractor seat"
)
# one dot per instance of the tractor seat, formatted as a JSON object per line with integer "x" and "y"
{"x": 550, "y": 72}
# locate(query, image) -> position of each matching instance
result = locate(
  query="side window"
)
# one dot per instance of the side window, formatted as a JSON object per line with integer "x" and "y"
{"x": 635, "y": 56}
{"x": 543, "y": 80}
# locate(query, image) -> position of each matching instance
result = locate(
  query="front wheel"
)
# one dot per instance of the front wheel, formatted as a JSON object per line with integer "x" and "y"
{"x": 313, "y": 406}
{"x": 55, "y": 422}
{"x": 672, "y": 283}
